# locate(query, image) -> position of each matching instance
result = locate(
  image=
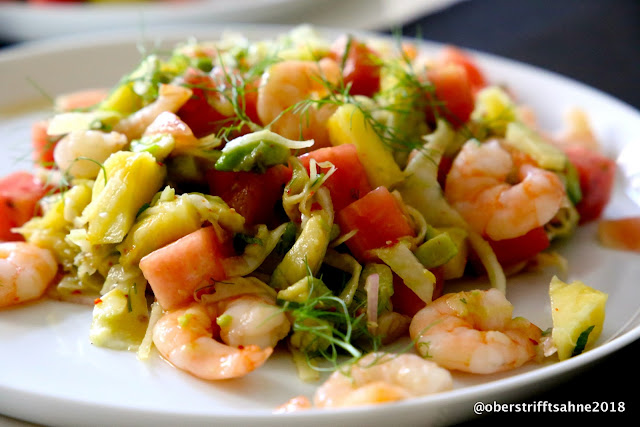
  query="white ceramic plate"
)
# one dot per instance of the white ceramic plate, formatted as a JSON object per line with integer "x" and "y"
{"x": 25, "y": 21}
{"x": 51, "y": 374}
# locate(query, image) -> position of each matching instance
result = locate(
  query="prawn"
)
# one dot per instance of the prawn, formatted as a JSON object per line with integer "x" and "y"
{"x": 249, "y": 326}
{"x": 170, "y": 98}
{"x": 169, "y": 123}
{"x": 285, "y": 87}
{"x": 477, "y": 186}
{"x": 382, "y": 377}
{"x": 26, "y": 271}
{"x": 80, "y": 153}
{"x": 474, "y": 332}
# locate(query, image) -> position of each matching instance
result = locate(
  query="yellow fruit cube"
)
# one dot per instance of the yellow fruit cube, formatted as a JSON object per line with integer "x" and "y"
{"x": 348, "y": 125}
{"x": 578, "y": 313}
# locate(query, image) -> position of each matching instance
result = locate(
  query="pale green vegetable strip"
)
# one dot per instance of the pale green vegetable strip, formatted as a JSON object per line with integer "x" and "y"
{"x": 303, "y": 290}
{"x": 147, "y": 342}
{"x": 254, "y": 253}
{"x": 306, "y": 254}
{"x": 293, "y": 193}
{"x": 404, "y": 263}
{"x": 345, "y": 262}
{"x": 237, "y": 286}
{"x": 489, "y": 261}
{"x": 214, "y": 209}
{"x": 421, "y": 189}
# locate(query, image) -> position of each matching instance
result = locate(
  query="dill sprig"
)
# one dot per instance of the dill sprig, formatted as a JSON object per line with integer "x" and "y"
{"x": 234, "y": 87}
{"x": 331, "y": 322}
{"x": 416, "y": 96}
{"x": 333, "y": 328}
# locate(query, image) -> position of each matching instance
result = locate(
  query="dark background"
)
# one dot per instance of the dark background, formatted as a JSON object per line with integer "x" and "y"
{"x": 596, "y": 42}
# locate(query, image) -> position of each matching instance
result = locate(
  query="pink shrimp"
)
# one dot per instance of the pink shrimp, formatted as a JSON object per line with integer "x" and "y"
{"x": 26, "y": 271}
{"x": 474, "y": 332}
{"x": 248, "y": 323}
{"x": 477, "y": 187}
{"x": 285, "y": 86}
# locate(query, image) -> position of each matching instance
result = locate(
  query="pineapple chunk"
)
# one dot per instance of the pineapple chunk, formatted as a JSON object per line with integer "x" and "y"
{"x": 578, "y": 315}
{"x": 348, "y": 126}
{"x": 132, "y": 180}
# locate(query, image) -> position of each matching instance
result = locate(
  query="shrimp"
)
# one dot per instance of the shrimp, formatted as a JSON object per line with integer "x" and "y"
{"x": 170, "y": 98}
{"x": 474, "y": 332}
{"x": 249, "y": 326}
{"x": 380, "y": 378}
{"x": 285, "y": 86}
{"x": 80, "y": 153}
{"x": 477, "y": 187}
{"x": 26, "y": 271}
{"x": 169, "y": 123}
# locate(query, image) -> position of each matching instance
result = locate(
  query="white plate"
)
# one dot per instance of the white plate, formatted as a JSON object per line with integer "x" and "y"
{"x": 51, "y": 374}
{"x": 26, "y": 21}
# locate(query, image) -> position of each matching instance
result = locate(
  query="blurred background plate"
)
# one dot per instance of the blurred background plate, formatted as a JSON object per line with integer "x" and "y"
{"x": 36, "y": 19}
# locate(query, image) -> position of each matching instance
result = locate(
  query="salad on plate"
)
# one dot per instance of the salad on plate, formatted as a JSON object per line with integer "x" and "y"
{"x": 232, "y": 198}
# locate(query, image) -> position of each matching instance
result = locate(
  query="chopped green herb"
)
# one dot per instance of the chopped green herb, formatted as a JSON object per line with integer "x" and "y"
{"x": 581, "y": 343}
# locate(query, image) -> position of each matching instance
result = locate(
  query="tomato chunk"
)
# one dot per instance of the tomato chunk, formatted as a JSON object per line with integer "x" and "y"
{"x": 378, "y": 219}
{"x": 596, "y": 173}
{"x": 253, "y": 195}
{"x": 454, "y": 96}
{"x": 513, "y": 251}
{"x": 361, "y": 66}
{"x": 406, "y": 302}
{"x": 198, "y": 112}
{"x": 454, "y": 55}
{"x": 19, "y": 196}
{"x": 209, "y": 109}
{"x": 179, "y": 269}
{"x": 42, "y": 144}
{"x": 349, "y": 182}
